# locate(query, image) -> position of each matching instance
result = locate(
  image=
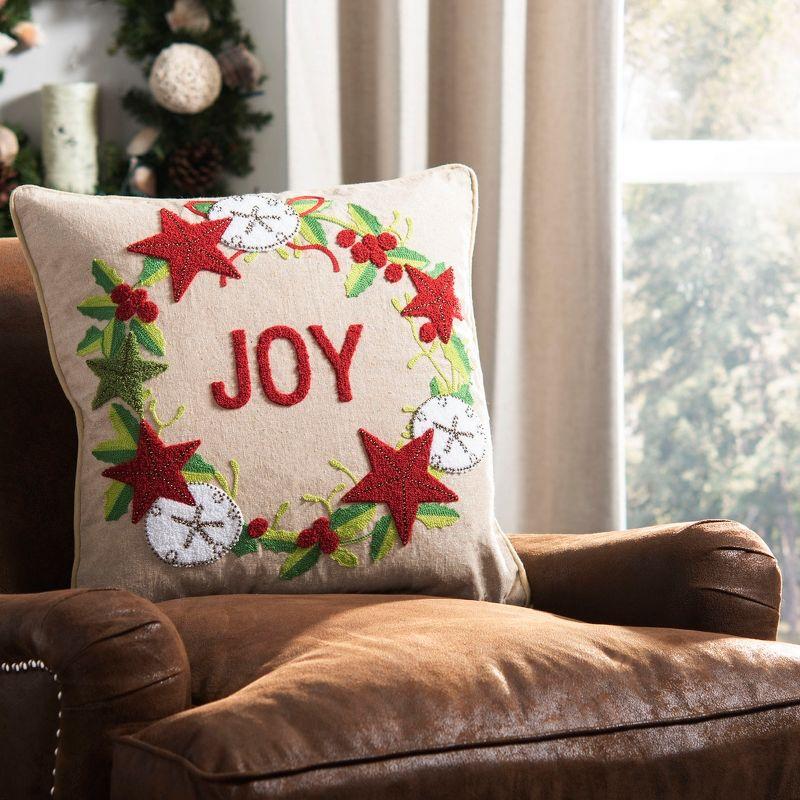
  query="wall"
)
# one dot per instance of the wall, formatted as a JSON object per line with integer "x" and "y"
{"x": 78, "y": 33}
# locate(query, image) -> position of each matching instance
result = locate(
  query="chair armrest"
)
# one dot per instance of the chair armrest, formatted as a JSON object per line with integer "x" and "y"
{"x": 713, "y": 575}
{"x": 76, "y": 666}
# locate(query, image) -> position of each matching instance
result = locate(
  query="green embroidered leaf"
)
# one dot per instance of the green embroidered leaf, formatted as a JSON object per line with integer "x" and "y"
{"x": 149, "y": 336}
{"x": 278, "y": 541}
{"x": 302, "y": 205}
{"x": 364, "y": 219}
{"x": 455, "y": 352}
{"x": 118, "y": 498}
{"x": 359, "y": 278}
{"x": 435, "y": 515}
{"x": 113, "y": 337}
{"x": 312, "y": 231}
{"x": 349, "y": 521}
{"x": 344, "y": 557}
{"x": 403, "y": 255}
{"x": 437, "y": 387}
{"x": 90, "y": 342}
{"x": 244, "y": 544}
{"x": 300, "y": 561}
{"x": 465, "y": 394}
{"x": 198, "y": 470}
{"x": 153, "y": 271}
{"x": 105, "y": 275}
{"x": 438, "y": 270}
{"x": 384, "y": 538}
{"x": 125, "y": 424}
{"x": 99, "y": 306}
{"x": 203, "y": 206}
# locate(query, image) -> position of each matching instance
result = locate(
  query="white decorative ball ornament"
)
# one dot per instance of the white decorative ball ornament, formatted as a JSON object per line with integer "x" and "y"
{"x": 459, "y": 439}
{"x": 259, "y": 222}
{"x": 185, "y": 79}
{"x": 188, "y": 536}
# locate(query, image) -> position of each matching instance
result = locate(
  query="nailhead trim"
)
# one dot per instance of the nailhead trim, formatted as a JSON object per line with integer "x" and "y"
{"x": 24, "y": 666}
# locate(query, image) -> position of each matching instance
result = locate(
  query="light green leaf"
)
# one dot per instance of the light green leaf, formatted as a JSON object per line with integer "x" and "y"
{"x": 90, "y": 342}
{"x": 436, "y": 515}
{"x": 304, "y": 204}
{"x": 455, "y": 352}
{"x": 359, "y": 278}
{"x": 198, "y": 470}
{"x": 312, "y": 231}
{"x": 384, "y": 538}
{"x": 278, "y": 541}
{"x": 344, "y": 557}
{"x": 403, "y": 255}
{"x": 125, "y": 424}
{"x": 349, "y": 521}
{"x": 203, "y": 206}
{"x": 438, "y": 270}
{"x": 300, "y": 561}
{"x": 244, "y": 544}
{"x": 149, "y": 336}
{"x": 436, "y": 386}
{"x": 465, "y": 394}
{"x": 117, "y": 499}
{"x": 364, "y": 219}
{"x": 106, "y": 277}
{"x": 113, "y": 337}
{"x": 153, "y": 271}
{"x": 99, "y": 306}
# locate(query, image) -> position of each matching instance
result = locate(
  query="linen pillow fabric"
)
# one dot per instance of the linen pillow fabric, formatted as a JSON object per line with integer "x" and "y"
{"x": 274, "y": 393}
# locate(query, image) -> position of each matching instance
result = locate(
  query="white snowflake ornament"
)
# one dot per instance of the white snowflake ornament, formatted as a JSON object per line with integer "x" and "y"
{"x": 187, "y": 536}
{"x": 259, "y": 222}
{"x": 459, "y": 439}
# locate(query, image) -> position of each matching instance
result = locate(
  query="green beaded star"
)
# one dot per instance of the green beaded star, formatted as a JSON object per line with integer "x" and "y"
{"x": 123, "y": 374}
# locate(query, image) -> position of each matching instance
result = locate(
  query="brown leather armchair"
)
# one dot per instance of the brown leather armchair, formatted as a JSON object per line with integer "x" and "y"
{"x": 644, "y": 669}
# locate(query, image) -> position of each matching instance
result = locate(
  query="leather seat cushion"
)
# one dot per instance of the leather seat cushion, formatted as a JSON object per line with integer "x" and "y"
{"x": 293, "y": 686}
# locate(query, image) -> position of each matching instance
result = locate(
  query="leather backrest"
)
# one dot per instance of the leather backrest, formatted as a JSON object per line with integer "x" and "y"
{"x": 38, "y": 442}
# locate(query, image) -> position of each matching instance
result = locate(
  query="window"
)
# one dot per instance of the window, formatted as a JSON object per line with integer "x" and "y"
{"x": 711, "y": 164}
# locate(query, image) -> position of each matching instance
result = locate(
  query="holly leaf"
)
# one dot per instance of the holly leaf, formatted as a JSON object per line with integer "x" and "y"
{"x": 359, "y": 278}
{"x": 90, "y": 342}
{"x": 123, "y": 448}
{"x": 365, "y": 220}
{"x": 344, "y": 557}
{"x": 106, "y": 277}
{"x": 455, "y": 352}
{"x": 312, "y": 231}
{"x": 153, "y": 271}
{"x": 113, "y": 337}
{"x": 308, "y": 204}
{"x": 438, "y": 270}
{"x": 198, "y": 470}
{"x": 278, "y": 541}
{"x": 403, "y": 255}
{"x": 117, "y": 499}
{"x": 300, "y": 561}
{"x": 99, "y": 306}
{"x": 348, "y": 521}
{"x": 436, "y": 386}
{"x": 464, "y": 394}
{"x": 149, "y": 336}
{"x": 436, "y": 515}
{"x": 384, "y": 538}
{"x": 202, "y": 206}
{"x": 244, "y": 544}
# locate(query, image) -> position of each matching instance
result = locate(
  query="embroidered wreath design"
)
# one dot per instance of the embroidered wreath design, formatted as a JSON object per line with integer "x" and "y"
{"x": 173, "y": 488}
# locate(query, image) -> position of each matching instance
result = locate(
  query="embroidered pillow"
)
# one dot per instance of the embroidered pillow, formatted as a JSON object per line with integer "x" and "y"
{"x": 274, "y": 393}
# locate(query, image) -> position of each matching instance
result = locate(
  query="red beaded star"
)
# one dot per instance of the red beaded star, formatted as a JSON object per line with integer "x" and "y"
{"x": 435, "y": 300}
{"x": 155, "y": 471}
{"x": 188, "y": 248}
{"x": 399, "y": 478}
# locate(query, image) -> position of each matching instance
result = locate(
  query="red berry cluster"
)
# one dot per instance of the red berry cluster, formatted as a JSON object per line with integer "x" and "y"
{"x": 372, "y": 248}
{"x": 319, "y": 533}
{"x": 257, "y": 527}
{"x": 133, "y": 302}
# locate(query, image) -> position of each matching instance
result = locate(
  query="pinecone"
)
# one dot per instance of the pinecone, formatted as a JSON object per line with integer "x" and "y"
{"x": 194, "y": 168}
{"x": 9, "y": 180}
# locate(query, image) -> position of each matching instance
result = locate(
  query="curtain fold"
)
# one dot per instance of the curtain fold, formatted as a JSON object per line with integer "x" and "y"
{"x": 526, "y": 94}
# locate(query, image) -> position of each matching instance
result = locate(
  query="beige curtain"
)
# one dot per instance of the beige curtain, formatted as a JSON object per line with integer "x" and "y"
{"x": 526, "y": 94}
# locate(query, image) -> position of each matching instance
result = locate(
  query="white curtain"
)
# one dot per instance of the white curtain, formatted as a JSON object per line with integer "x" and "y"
{"x": 526, "y": 94}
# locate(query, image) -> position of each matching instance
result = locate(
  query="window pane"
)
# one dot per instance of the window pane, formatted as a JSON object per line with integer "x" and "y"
{"x": 705, "y": 69}
{"x": 712, "y": 360}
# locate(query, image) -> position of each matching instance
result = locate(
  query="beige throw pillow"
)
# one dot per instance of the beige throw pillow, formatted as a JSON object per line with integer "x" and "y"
{"x": 274, "y": 393}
